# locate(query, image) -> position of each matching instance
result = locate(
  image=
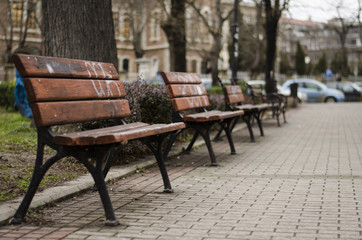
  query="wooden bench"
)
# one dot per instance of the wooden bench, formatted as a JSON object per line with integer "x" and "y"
{"x": 66, "y": 91}
{"x": 235, "y": 100}
{"x": 188, "y": 94}
{"x": 274, "y": 102}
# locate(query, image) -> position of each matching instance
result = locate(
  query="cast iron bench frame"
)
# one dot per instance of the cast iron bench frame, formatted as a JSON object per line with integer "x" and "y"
{"x": 188, "y": 94}
{"x": 235, "y": 100}
{"x": 64, "y": 91}
{"x": 275, "y": 102}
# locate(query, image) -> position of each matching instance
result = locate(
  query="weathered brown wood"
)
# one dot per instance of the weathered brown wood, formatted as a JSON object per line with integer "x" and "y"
{"x": 235, "y": 98}
{"x": 233, "y": 89}
{"x": 178, "y": 77}
{"x": 214, "y": 115}
{"x": 185, "y": 103}
{"x": 246, "y": 107}
{"x": 183, "y": 90}
{"x": 57, "y": 113}
{"x": 40, "y": 66}
{"x": 117, "y": 134}
{"x": 47, "y": 89}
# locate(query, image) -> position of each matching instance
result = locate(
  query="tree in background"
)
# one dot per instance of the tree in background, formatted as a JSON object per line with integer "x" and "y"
{"x": 273, "y": 13}
{"x": 341, "y": 25}
{"x": 359, "y": 19}
{"x": 79, "y": 30}
{"x": 214, "y": 28}
{"x": 321, "y": 65}
{"x": 251, "y": 43}
{"x": 20, "y": 15}
{"x": 134, "y": 21}
{"x": 284, "y": 64}
{"x": 300, "y": 66}
{"x": 175, "y": 30}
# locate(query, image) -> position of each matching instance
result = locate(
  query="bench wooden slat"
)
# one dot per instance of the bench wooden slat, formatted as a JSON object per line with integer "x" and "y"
{"x": 179, "y": 77}
{"x": 45, "y": 89}
{"x": 247, "y": 107}
{"x": 185, "y": 103}
{"x": 39, "y": 66}
{"x": 235, "y": 98}
{"x": 57, "y": 113}
{"x": 88, "y": 137}
{"x": 211, "y": 116}
{"x": 117, "y": 134}
{"x": 182, "y": 90}
{"x": 233, "y": 89}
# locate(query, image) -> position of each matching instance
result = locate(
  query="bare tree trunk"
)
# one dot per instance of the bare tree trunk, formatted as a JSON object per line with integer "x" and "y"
{"x": 272, "y": 16}
{"x": 80, "y": 29}
{"x": 9, "y": 42}
{"x": 256, "y": 67}
{"x": 175, "y": 30}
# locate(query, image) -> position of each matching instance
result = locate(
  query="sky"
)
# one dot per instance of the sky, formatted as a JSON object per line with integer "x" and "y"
{"x": 322, "y": 10}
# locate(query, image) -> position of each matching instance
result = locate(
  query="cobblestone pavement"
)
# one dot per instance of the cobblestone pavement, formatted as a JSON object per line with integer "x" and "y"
{"x": 301, "y": 181}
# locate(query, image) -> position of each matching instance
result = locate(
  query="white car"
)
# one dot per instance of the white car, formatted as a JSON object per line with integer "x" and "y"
{"x": 302, "y": 97}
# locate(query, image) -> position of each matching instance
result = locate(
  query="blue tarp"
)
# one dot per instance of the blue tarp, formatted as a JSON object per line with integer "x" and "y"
{"x": 21, "y": 102}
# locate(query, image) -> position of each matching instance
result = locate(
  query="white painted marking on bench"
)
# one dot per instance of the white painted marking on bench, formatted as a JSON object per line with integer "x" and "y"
{"x": 50, "y": 68}
{"x": 109, "y": 89}
{"x": 104, "y": 73}
{"x": 92, "y": 67}
{"x": 194, "y": 102}
{"x": 100, "y": 92}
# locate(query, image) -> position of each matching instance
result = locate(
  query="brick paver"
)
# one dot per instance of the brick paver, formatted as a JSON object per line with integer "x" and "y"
{"x": 301, "y": 181}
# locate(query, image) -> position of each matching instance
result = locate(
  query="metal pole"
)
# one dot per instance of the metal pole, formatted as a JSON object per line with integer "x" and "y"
{"x": 235, "y": 44}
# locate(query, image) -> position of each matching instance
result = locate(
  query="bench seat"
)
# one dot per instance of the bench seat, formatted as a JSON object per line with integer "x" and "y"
{"x": 117, "y": 134}
{"x": 213, "y": 115}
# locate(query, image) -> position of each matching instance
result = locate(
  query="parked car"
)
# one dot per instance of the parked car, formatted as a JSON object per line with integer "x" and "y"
{"x": 352, "y": 91}
{"x": 316, "y": 91}
{"x": 302, "y": 97}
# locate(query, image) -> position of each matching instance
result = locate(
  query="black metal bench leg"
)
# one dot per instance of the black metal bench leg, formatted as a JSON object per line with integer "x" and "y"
{"x": 157, "y": 152}
{"x": 204, "y": 131}
{"x": 217, "y": 136}
{"x": 110, "y": 157}
{"x": 258, "y": 120}
{"x": 97, "y": 174}
{"x": 172, "y": 139}
{"x": 227, "y": 130}
{"x": 39, "y": 171}
{"x": 192, "y": 142}
{"x": 277, "y": 116}
{"x": 247, "y": 120}
{"x": 285, "y": 120}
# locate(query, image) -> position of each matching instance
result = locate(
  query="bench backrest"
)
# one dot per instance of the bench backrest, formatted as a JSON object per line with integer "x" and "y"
{"x": 64, "y": 91}
{"x": 233, "y": 94}
{"x": 186, "y": 90}
{"x": 256, "y": 92}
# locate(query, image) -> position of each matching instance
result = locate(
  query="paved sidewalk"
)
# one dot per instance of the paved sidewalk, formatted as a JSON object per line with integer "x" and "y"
{"x": 301, "y": 181}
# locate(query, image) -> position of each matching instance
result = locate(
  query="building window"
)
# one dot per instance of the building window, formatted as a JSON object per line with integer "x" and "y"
{"x": 204, "y": 29}
{"x": 155, "y": 26}
{"x": 352, "y": 42}
{"x": 194, "y": 66}
{"x": 116, "y": 23}
{"x": 23, "y": 11}
{"x": 125, "y": 65}
{"x": 17, "y": 14}
{"x": 126, "y": 28}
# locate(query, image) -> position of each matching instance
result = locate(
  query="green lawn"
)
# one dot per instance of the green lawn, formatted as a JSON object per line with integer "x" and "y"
{"x": 16, "y": 133}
